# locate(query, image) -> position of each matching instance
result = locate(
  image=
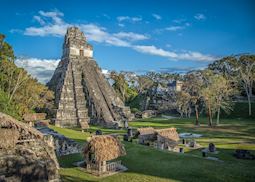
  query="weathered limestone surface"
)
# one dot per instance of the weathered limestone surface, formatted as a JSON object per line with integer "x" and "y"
{"x": 82, "y": 94}
{"x": 25, "y": 155}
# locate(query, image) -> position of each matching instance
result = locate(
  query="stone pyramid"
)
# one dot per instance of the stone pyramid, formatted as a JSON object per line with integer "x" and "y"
{"x": 82, "y": 94}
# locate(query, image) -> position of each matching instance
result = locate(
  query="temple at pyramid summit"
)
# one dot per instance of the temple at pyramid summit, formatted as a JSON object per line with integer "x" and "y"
{"x": 82, "y": 94}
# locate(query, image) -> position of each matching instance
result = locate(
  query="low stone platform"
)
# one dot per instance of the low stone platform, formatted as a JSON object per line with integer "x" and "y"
{"x": 63, "y": 145}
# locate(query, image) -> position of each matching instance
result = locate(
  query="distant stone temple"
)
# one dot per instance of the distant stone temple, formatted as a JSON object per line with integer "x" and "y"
{"x": 82, "y": 94}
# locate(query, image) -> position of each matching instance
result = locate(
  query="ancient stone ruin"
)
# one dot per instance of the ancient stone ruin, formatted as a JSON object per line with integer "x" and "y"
{"x": 166, "y": 138}
{"x": 82, "y": 94}
{"x": 63, "y": 145}
{"x": 25, "y": 155}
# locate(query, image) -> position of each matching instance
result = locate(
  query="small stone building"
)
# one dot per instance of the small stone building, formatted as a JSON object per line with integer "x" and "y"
{"x": 25, "y": 155}
{"x": 146, "y": 135}
{"x": 30, "y": 118}
{"x": 166, "y": 138}
{"x": 99, "y": 152}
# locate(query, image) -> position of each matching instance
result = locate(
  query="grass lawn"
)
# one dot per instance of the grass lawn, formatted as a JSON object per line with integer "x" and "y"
{"x": 149, "y": 164}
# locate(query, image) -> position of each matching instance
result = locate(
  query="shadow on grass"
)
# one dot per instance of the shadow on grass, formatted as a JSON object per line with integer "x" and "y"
{"x": 151, "y": 162}
{"x": 168, "y": 165}
{"x": 186, "y": 167}
{"x": 67, "y": 178}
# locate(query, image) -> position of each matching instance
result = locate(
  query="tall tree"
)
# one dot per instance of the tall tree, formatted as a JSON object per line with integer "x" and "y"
{"x": 193, "y": 84}
{"x": 183, "y": 103}
{"x": 240, "y": 71}
{"x": 216, "y": 94}
{"x": 246, "y": 69}
{"x": 6, "y": 51}
{"x": 20, "y": 93}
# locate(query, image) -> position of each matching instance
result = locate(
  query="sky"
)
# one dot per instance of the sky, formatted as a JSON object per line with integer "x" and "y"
{"x": 131, "y": 35}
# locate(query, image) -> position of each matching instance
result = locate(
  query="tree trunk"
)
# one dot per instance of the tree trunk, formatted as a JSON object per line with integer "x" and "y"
{"x": 218, "y": 117}
{"x": 249, "y": 99}
{"x": 209, "y": 115}
{"x": 196, "y": 109}
{"x": 248, "y": 90}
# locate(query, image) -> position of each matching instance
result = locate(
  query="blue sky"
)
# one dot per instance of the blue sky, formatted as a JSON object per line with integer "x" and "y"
{"x": 130, "y": 35}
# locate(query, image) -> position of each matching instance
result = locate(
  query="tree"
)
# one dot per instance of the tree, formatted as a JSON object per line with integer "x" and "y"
{"x": 122, "y": 87}
{"x": 183, "y": 103}
{"x": 246, "y": 70}
{"x": 6, "y": 51}
{"x": 20, "y": 93}
{"x": 120, "y": 84}
{"x": 217, "y": 95}
{"x": 144, "y": 83}
{"x": 240, "y": 71}
{"x": 193, "y": 83}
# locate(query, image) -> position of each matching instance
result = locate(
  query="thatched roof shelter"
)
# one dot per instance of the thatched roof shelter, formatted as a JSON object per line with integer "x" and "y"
{"x": 168, "y": 133}
{"x": 146, "y": 131}
{"x": 104, "y": 148}
{"x": 8, "y": 122}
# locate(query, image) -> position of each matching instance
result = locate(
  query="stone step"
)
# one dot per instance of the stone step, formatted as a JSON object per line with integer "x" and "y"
{"x": 81, "y": 103}
{"x": 66, "y": 104}
{"x": 82, "y": 110}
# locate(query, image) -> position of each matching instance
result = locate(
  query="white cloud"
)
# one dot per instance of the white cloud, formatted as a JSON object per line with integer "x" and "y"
{"x": 131, "y": 36}
{"x": 52, "y": 29}
{"x": 136, "y": 19}
{"x": 56, "y": 26}
{"x": 179, "y": 21}
{"x": 42, "y": 69}
{"x": 105, "y": 72}
{"x": 154, "y": 51}
{"x": 175, "y": 28}
{"x": 188, "y": 55}
{"x": 181, "y": 69}
{"x": 156, "y": 16}
{"x": 99, "y": 34}
{"x": 128, "y": 18}
{"x": 39, "y": 20}
{"x": 121, "y": 25}
{"x": 122, "y": 18}
{"x": 54, "y": 15}
{"x": 200, "y": 16}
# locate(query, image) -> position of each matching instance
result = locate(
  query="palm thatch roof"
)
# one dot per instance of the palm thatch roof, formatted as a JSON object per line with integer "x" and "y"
{"x": 168, "y": 133}
{"x": 25, "y": 130}
{"x": 104, "y": 148}
{"x": 146, "y": 131}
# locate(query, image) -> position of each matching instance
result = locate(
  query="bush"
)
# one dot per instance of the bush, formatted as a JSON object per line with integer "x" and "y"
{"x": 8, "y": 108}
{"x": 134, "y": 110}
{"x": 240, "y": 110}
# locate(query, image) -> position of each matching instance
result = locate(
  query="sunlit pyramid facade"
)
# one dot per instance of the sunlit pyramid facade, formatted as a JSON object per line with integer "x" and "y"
{"x": 82, "y": 94}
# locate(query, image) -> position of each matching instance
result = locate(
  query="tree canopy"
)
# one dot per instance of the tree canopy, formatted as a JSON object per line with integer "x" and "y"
{"x": 19, "y": 91}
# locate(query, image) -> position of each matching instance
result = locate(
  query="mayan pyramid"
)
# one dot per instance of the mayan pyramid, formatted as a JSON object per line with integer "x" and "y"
{"x": 82, "y": 94}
